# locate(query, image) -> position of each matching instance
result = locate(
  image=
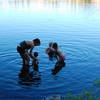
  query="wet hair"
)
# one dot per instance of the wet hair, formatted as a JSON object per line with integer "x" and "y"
{"x": 36, "y": 41}
{"x": 50, "y": 44}
{"x": 35, "y": 54}
{"x": 55, "y": 46}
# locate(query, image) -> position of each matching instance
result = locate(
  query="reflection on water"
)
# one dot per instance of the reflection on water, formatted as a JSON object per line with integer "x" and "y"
{"x": 49, "y": 3}
{"x": 29, "y": 78}
{"x": 78, "y": 35}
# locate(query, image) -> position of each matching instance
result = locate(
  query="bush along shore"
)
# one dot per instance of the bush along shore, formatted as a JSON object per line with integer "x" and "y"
{"x": 85, "y": 95}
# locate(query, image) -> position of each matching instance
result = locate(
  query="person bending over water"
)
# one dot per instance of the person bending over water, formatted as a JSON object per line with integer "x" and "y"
{"x": 25, "y": 50}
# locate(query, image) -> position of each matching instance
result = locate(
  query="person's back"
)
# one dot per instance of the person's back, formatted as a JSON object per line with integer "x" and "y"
{"x": 60, "y": 59}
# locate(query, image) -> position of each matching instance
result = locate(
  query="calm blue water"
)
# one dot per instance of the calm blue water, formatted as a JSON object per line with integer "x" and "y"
{"x": 76, "y": 28}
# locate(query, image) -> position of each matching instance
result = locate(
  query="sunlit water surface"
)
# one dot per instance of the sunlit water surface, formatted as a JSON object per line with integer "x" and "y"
{"x": 74, "y": 24}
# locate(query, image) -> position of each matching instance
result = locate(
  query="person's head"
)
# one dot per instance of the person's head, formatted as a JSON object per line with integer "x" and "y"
{"x": 50, "y": 44}
{"x": 36, "y": 42}
{"x": 55, "y": 46}
{"x": 35, "y": 54}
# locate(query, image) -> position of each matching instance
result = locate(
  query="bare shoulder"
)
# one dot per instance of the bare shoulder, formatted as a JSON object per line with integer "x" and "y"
{"x": 60, "y": 53}
{"x": 30, "y": 43}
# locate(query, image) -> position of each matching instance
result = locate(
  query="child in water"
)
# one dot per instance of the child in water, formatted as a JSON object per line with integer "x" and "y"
{"x": 50, "y": 51}
{"x": 35, "y": 61}
{"x": 53, "y": 51}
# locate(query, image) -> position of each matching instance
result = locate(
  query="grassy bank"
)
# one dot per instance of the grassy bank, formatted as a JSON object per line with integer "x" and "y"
{"x": 83, "y": 95}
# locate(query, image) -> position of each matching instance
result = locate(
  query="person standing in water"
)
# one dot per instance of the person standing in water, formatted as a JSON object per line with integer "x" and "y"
{"x": 25, "y": 49}
{"x": 60, "y": 59}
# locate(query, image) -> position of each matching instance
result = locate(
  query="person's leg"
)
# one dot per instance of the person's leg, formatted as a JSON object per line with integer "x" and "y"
{"x": 36, "y": 67}
{"x": 62, "y": 63}
{"x": 24, "y": 73}
{"x": 21, "y": 53}
{"x": 57, "y": 68}
{"x": 26, "y": 59}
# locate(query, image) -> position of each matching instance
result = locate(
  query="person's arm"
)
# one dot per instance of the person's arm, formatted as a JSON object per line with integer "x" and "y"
{"x": 31, "y": 50}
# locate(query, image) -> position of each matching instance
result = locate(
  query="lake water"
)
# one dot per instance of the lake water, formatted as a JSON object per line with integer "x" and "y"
{"x": 73, "y": 24}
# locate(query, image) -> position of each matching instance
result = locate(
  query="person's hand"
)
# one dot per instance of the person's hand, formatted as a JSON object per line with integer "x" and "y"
{"x": 29, "y": 54}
